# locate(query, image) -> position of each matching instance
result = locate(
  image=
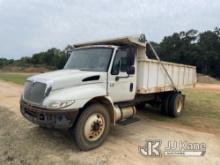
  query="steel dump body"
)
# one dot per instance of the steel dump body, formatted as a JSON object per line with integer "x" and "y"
{"x": 151, "y": 77}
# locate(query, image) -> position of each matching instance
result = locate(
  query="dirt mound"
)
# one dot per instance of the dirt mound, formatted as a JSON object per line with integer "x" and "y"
{"x": 11, "y": 68}
{"x": 35, "y": 70}
{"x": 207, "y": 79}
{"x": 210, "y": 87}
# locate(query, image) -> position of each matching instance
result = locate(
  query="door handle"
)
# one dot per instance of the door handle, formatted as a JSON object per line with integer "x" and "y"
{"x": 131, "y": 87}
{"x": 118, "y": 77}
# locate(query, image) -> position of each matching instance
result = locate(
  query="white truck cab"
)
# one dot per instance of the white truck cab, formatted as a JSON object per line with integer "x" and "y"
{"x": 102, "y": 83}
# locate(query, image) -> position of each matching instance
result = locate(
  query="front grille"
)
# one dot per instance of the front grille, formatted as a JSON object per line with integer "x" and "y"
{"x": 34, "y": 91}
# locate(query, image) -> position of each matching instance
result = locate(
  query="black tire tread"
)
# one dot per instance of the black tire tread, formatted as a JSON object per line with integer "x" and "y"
{"x": 165, "y": 105}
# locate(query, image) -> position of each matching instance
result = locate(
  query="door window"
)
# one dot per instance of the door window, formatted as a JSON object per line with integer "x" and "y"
{"x": 120, "y": 63}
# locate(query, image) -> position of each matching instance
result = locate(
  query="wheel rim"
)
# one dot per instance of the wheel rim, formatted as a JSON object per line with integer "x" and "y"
{"x": 179, "y": 105}
{"x": 94, "y": 127}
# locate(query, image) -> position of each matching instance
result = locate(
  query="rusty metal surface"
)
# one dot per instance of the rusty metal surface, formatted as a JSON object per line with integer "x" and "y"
{"x": 151, "y": 77}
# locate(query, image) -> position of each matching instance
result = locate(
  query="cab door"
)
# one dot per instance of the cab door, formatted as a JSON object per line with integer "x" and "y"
{"x": 122, "y": 75}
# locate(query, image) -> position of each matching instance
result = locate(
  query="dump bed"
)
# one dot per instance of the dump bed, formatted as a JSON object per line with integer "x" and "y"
{"x": 152, "y": 78}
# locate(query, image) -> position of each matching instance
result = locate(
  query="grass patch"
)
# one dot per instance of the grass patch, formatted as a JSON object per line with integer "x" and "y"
{"x": 202, "y": 111}
{"x": 18, "y": 78}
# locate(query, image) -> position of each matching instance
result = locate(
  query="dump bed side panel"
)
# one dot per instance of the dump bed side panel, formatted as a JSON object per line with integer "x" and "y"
{"x": 152, "y": 78}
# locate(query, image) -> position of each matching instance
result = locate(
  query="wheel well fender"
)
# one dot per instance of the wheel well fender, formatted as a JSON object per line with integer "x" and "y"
{"x": 105, "y": 101}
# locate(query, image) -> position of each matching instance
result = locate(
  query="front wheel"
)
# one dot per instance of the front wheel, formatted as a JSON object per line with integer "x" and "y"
{"x": 92, "y": 127}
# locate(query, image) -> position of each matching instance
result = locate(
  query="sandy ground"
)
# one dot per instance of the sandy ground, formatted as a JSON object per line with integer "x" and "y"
{"x": 30, "y": 144}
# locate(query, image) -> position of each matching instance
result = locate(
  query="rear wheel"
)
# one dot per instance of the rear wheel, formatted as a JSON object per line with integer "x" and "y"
{"x": 176, "y": 104}
{"x": 92, "y": 127}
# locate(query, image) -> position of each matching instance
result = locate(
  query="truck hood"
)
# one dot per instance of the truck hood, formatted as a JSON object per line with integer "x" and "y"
{"x": 68, "y": 78}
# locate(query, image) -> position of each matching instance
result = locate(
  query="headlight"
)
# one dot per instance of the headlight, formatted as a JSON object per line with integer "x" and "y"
{"x": 61, "y": 104}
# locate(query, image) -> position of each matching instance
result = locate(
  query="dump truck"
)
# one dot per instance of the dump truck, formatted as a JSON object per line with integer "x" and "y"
{"x": 101, "y": 85}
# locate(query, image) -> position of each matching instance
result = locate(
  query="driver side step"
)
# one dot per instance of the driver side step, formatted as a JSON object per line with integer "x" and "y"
{"x": 128, "y": 121}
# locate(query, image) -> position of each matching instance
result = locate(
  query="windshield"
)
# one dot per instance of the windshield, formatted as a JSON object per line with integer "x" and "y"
{"x": 90, "y": 59}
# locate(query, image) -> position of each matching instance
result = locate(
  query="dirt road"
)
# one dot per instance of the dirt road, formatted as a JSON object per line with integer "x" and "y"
{"x": 22, "y": 142}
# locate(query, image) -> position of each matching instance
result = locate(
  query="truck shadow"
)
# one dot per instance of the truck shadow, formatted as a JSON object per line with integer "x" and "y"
{"x": 149, "y": 109}
{"x": 152, "y": 113}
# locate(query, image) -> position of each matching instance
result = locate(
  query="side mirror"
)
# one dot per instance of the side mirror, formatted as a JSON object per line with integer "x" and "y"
{"x": 131, "y": 70}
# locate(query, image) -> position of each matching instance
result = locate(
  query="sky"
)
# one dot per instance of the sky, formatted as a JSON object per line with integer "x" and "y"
{"x": 32, "y": 26}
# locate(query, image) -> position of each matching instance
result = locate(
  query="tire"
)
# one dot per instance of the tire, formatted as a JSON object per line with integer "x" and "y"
{"x": 92, "y": 127}
{"x": 165, "y": 105}
{"x": 176, "y": 104}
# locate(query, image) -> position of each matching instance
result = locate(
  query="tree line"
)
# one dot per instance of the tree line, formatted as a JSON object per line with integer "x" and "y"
{"x": 201, "y": 49}
{"x": 52, "y": 59}
{"x": 192, "y": 47}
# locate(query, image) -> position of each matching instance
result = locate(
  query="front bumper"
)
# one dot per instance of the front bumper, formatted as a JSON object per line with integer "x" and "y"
{"x": 59, "y": 119}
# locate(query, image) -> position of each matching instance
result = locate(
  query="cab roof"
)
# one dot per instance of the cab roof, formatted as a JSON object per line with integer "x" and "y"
{"x": 131, "y": 40}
